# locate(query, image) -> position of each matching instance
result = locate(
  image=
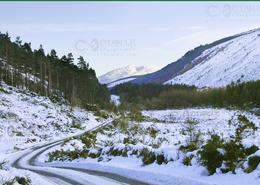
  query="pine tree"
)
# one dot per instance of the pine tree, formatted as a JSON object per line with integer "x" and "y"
{"x": 82, "y": 63}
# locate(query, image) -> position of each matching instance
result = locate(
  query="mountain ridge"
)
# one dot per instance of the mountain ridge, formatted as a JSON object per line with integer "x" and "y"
{"x": 125, "y": 72}
{"x": 196, "y": 57}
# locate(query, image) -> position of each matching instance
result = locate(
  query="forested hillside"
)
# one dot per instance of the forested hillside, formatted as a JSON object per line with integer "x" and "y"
{"x": 49, "y": 75}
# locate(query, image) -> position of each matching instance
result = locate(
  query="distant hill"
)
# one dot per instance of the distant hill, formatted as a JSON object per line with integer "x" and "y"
{"x": 125, "y": 72}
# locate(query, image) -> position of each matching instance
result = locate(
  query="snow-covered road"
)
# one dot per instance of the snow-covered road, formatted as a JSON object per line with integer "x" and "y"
{"x": 67, "y": 175}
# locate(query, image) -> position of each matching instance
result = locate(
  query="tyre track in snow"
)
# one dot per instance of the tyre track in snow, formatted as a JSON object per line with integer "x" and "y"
{"x": 68, "y": 175}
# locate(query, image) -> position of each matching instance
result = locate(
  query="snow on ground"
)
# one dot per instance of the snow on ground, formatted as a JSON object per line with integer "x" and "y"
{"x": 27, "y": 119}
{"x": 115, "y": 99}
{"x": 9, "y": 175}
{"x": 162, "y": 133}
{"x": 232, "y": 61}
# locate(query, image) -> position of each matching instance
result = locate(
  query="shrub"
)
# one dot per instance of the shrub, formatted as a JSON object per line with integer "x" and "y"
{"x": 76, "y": 124}
{"x": 148, "y": 156}
{"x": 117, "y": 152}
{"x": 188, "y": 148}
{"x": 92, "y": 155}
{"x": 121, "y": 123}
{"x": 135, "y": 114}
{"x": 187, "y": 160}
{"x": 152, "y": 131}
{"x": 160, "y": 159}
{"x": 244, "y": 126}
{"x": 234, "y": 153}
{"x": 128, "y": 140}
{"x": 18, "y": 133}
{"x": 3, "y": 90}
{"x": 194, "y": 135}
{"x": 18, "y": 180}
{"x": 56, "y": 155}
{"x": 253, "y": 163}
{"x": 210, "y": 155}
{"x": 89, "y": 139}
{"x": 251, "y": 150}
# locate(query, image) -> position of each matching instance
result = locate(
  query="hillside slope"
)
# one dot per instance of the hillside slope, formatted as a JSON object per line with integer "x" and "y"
{"x": 234, "y": 52}
{"x": 236, "y": 60}
{"x": 27, "y": 119}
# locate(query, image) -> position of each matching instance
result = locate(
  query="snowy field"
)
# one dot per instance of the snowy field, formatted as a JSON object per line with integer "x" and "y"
{"x": 120, "y": 147}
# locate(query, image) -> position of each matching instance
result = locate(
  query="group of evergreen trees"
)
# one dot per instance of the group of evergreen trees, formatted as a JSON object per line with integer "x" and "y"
{"x": 49, "y": 75}
{"x": 152, "y": 96}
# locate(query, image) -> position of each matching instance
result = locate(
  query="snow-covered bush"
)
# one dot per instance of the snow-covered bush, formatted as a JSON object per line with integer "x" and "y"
{"x": 233, "y": 155}
{"x": 18, "y": 180}
{"x": 190, "y": 129}
{"x": 244, "y": 128}
{"x": 148, "y": 156}
{"x": 89, "y": 139}
{"x": 211, "y": 154}
{"x": 228, "y": 156}
{"x": 160, "y": 159}
{"x": 187, "y": 160}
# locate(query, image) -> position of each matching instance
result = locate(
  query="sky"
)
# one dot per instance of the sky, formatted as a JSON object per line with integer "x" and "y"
{"x": 110, "y": 35}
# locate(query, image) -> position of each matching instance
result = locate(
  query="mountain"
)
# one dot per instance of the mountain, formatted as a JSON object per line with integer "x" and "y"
{"x": 231, "y": 59}
{"x": 125, "y": 72}
{"x": 236, "y": 60}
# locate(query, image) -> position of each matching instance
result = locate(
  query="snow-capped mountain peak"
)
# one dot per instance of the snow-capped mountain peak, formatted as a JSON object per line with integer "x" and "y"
{"x": 124, "y": 72}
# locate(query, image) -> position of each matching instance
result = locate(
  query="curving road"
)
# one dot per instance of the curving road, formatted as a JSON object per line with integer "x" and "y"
{"x": 68, "y": 175}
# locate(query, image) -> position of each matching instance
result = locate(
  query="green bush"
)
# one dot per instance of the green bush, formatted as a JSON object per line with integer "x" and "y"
{"x": 61, "y": 155}
{"x": 251, "y": 150}
{"x": 253, "y": 163}
{"x": 117, "y": 152}
{"x": 76, "y": 124}
{"x": 101, "y": 114}
{"x": 3, "y": 90}
{"x": 94, "y": 154}
{"x": 18, "y": 180}
{"x": 121, "y": 123}
{"x": 160, "y": 159}
{"x": 243, "y": 126}
{"x": 153, "y": 132}
{"x": 89, "y": 139}
{"x": 187, "y": 160}
{"x": 148, "y": 156}
{"x": 190, "y": 129}
{"x": 136, "y": 114}
{"x": 128, "y": 140}
{"x": 210, "y": 155}
{"x": 234, "y": 154}
{"x": 189, "y": 147}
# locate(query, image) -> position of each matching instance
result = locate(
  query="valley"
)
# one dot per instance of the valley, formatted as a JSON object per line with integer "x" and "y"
{"x": 196, "y": 121}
